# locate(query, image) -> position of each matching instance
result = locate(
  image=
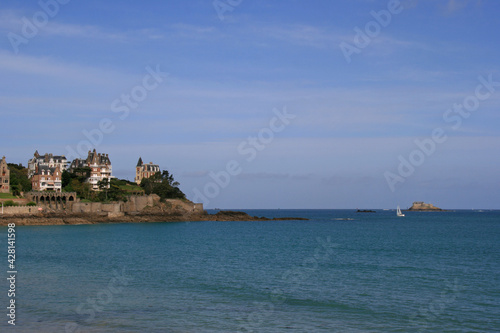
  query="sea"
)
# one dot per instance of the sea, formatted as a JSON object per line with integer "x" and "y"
{"x": 340, "y": 271}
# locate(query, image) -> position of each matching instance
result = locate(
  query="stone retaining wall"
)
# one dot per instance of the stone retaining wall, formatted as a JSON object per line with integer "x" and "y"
{"x": 21, "y": 210}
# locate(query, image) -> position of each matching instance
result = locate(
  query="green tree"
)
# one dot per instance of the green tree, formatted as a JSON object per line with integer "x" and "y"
{"x": 164, "y": 185}
{"x": 19, "y": 181}
{"x": 147, "y": 184}
{"x": 103, "y": 187}
{"x": 66, "y": 178}
{"x": 83, "y": 190}
{"x": 82, "y": 173}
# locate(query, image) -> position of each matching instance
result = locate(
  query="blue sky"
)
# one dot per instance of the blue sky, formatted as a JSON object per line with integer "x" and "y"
{"x": 224, "y": 76}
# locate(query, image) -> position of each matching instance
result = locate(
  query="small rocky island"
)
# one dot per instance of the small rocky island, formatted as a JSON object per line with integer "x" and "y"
{"x": 421, "y": 206}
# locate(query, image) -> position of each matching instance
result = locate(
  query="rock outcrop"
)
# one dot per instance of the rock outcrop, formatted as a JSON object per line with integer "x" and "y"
{"x": 424, "y": 207}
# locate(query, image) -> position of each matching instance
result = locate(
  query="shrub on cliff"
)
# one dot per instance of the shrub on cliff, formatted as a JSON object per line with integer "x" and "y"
{"x": 163, "y": 185}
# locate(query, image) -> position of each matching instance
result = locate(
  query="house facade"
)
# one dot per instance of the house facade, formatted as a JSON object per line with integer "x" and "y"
{"x": 47, "y": 160}
{"x": 145, "y": 170}
{"x": 100, "y": 167}
{"x": 4, "y": 176}
{"x": 47, "y": 179}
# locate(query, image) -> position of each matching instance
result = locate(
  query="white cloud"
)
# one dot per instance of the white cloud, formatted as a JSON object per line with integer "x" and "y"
{"x": 305, "y": 35}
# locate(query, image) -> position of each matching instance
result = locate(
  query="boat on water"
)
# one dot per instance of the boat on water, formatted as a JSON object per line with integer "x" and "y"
{"x": 398, "y": 212}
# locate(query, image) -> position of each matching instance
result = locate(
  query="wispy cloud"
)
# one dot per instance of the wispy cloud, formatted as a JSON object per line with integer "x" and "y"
{"x": 193, "y": 30}
{"x": 451, "y": 6}
{"x": 456, "y": 5}
{"x": 306, "y": 35}
{"x": 12, "y": 21}
{"x": 81, "y": 31}
{"x": 273, "y": 176}
{"x": 49, "y": 67}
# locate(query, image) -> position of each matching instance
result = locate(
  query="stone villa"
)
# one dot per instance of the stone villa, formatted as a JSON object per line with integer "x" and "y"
{"x": 47, "y": 160}
{"x": 47, "y": 178}
{"x": 145, "y": 170}
{"x": 99, "y": 164}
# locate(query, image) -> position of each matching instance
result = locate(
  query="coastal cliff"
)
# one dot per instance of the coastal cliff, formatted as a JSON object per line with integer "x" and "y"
{"x": 424, "y": 207}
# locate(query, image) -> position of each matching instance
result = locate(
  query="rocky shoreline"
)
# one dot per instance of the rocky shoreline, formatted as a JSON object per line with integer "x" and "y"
{"x": 143, "y": 217}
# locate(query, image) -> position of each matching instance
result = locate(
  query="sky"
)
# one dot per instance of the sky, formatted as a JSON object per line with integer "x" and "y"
{"x": 264, "y": 104}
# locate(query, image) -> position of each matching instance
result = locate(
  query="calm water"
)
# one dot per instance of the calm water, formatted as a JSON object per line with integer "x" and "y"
{"x": 427, "y": 272}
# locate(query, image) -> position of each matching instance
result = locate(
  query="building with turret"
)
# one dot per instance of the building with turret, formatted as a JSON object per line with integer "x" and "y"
{"x": 100, "y": 167}
{"x": 4, "y": 176}
{"x": 47, "y": 160}
{"x": 145, "y": 170}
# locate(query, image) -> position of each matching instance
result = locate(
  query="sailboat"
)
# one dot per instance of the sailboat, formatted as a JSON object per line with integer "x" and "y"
{"x": 398, "y": 212}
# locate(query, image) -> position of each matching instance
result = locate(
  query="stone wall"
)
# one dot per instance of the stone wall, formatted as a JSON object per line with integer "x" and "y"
{"x": 22, "y": 210}
{"x": 17, "y": 201}
{"x": 134, "y": 204}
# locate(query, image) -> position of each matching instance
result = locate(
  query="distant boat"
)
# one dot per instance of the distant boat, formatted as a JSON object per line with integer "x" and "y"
{"x": 398, "y": 212}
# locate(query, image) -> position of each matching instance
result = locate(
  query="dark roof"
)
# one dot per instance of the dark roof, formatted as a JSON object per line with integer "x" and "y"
{"x": 92, "y": 157}
{"x": 139, "y": 163}
{"x": 98, "y": 158}
{"x": 78, "y": 163}
{"x": 151, "y": 167}
{"x": 48, "y": 171}
{"x": 46, "y": 158}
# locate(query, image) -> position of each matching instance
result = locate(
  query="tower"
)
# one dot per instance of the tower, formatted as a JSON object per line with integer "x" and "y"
{"x": 4, "y": 176}
{"x": 138, "y": 171}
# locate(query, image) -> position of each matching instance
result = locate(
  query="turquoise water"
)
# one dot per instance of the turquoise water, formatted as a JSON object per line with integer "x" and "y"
{"x": 426, "y": 272}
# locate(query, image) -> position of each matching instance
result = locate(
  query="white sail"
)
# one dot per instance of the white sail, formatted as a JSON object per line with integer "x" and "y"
{"x": 398, "y": 212}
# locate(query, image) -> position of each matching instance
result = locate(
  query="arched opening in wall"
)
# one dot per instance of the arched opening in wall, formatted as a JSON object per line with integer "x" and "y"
{"x": 42, "y": 199}
{"x": 71, "y": 198}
